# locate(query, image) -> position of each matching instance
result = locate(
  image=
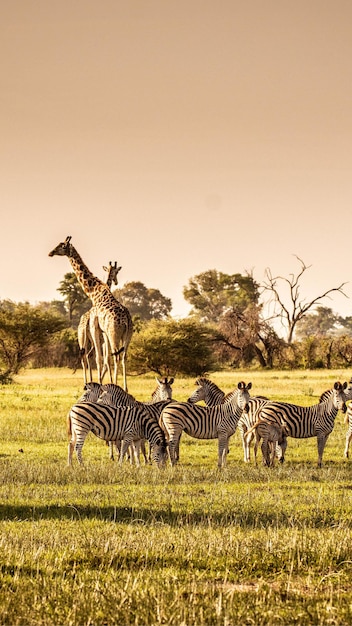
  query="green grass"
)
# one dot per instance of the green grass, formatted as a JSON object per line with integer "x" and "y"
{"x": 104, "y": 544}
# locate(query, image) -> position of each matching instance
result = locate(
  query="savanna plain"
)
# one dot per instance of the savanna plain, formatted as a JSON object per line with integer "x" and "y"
{"x": 184, "y": 545}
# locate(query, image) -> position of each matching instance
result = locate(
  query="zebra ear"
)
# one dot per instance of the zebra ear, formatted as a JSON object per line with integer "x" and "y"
{"x": 249, "y": 386}
{"x": 171, "y": 381}
{"x": 241, "y": 385}
{"x": 337, "y": 385}
{"x": 345, "y": 384}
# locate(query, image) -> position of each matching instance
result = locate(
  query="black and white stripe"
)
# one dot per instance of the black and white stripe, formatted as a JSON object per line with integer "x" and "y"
{"x": 111, "y": 423}
{"x": 303, "y": 422}
{"x": 114, "y": 395}
{"x": 211, "y": 394}
{"x": 216, "y": 422}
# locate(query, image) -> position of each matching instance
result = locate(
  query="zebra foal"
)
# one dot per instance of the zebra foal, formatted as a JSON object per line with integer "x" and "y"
{"x": 303, "y": 422}
{"x": 215, "y": 422}
{"x": 110, "y": 423}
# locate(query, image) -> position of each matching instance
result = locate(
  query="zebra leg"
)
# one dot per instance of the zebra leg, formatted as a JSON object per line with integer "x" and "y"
{"x": 144, "y": 452}
{"x": 245, "y": 444}
{"x": 256, "y": 446}
{"x": 135, "y": 452}
{"x": 348, "y": 439}
{"x": 223, "y": 446}
{"x": 265, "y": 453}
{"x": 125, "y": 444}
{"x": 111, "y": 450}
{"x": 321, "y": 440}
{"x": 173, "y": 448}
{"x": 71, "y": 447}
{"x": 80, "y": 439}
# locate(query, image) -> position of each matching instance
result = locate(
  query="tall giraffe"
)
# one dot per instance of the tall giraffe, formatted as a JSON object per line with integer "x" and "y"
{"x": 113, "y": 318}
{"x": 84, "y": 335}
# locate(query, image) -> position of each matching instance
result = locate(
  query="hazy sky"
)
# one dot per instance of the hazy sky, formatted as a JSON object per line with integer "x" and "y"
{"x": 176, "y": 136}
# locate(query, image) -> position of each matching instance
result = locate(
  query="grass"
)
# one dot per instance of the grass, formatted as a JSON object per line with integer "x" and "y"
{"x": 104, "y": 544}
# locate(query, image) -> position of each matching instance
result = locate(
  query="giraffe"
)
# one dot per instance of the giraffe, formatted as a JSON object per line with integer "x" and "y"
{"x": 84, "y": 336}
{"x": 113, "y": 318}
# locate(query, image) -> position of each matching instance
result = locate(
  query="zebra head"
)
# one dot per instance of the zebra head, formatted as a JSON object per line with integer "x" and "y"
{"x": 207, "y": 391}
{"x": 339, "y": 396}
{"x": 114, "y": 395}
{"x": 159, "y": 453}
{"x": 91, "y": 392}
{"x": 243, "y": 395}
{"x": 163, "y": 390}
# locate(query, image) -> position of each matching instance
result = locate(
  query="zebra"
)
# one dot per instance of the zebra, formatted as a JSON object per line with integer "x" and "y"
{"x": 91, "y": 392}
{"x": 348, "y": 414}
{"x": 348, "y": 421}
{"x": 216, "y": 422}
{"x": 211, "y": 394}
{"x": 110, "y": 423}
{"x": 114, "y": 395}
{"x": 275, "y": 437}
{"x": 303, "y": 422}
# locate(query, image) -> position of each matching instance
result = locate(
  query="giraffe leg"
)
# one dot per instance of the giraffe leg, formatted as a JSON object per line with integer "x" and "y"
{"x": 96, "y": 338}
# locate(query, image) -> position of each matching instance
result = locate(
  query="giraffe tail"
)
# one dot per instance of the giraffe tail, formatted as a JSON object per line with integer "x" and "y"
{"x": 118, "y": 352}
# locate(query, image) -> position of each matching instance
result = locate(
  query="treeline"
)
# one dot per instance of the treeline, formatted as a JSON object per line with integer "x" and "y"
{"x": 226, "y": 328}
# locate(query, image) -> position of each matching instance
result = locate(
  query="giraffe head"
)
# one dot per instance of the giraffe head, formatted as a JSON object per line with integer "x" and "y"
{"x": 63, "y": 249}
{"x": 112, "y": 271}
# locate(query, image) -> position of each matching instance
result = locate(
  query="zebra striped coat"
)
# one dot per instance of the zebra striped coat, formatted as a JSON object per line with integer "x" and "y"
{"x": 211, "y": 394}
{"x": 217, "y": 422}
{"x": 303, "y": 422}
{"x": 114, "y": 395}
{"x": 348, "y": 421}
{"x": 110, "y": 423}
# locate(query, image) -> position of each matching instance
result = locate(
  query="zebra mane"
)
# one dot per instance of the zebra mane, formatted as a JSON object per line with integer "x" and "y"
{"x": 206, "y": 382}
{"x": 325, "y": 395}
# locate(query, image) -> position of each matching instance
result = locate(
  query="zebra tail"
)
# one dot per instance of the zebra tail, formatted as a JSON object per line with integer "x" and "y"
{"x": 69, "y": 425}
{"x": 254, "y": 427}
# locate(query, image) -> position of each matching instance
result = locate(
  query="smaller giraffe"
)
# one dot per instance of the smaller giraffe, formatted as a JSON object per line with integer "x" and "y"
{"x": 84, "y": 336}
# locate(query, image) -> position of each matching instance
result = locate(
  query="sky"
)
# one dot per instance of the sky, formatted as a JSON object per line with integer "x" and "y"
{"x": 176, "y": 136}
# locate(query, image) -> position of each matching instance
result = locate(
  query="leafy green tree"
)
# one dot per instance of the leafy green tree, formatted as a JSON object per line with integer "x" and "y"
{"x": 24, "y": 329}
{"x": 213, "y": 293}
{"x": 76, "y": 301}
{"x": 173, "y": 347}
{"x": 143, "y": 302}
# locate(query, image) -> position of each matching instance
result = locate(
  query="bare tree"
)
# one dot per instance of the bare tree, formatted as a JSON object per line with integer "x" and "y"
{"x": 297, "y": 308}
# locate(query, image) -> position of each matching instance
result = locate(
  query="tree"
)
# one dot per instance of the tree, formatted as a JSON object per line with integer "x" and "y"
{"x": 76, "y": 301}
{"x": 214, "y": 293}
{"x": 318, "y": 324}
{"x": 144, "y": 302}
{"x": 247, "y": 337}
{"x": 23, "y": 330}
{"x": 296, "y": 309}
{"x": 173, "y": 347}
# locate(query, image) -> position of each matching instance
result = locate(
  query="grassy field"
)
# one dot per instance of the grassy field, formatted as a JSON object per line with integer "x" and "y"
{"x": 188, "y": 545}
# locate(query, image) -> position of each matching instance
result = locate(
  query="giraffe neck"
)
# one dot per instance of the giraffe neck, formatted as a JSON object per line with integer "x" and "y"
{"x": 86, "y": 279}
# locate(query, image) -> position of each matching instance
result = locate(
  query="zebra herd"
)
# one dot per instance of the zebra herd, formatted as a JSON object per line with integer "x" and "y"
{"x": 117, "y": 417}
